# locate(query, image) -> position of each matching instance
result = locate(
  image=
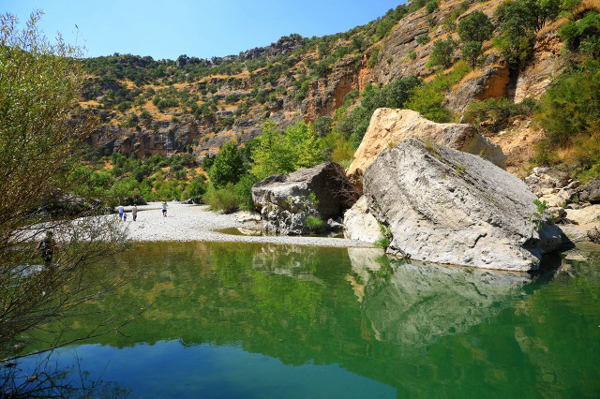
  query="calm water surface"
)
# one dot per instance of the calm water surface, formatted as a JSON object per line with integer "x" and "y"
{"x": 264, "y": 321}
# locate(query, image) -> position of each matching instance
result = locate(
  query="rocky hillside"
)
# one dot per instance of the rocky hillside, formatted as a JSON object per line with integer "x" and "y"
{"x": 196, "y": 105}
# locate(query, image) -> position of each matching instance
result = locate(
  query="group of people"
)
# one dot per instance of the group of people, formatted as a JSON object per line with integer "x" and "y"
{"x": 134, "y": 211}
{"x": 123, "y": 215}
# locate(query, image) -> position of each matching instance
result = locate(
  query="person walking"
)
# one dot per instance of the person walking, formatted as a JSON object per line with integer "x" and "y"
{"x": 134, "y": 212}
{"x": 47, "y": 248}
{"x": 164, "y": 208}
{"x": 121, "y": 211}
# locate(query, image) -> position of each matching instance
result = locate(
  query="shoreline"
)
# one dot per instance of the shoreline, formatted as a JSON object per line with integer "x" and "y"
{"x": 197, "y": 223}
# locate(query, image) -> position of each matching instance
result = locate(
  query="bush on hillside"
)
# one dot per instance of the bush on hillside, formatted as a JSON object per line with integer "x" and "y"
{"x": 429, "y": 99}
{"x": 284, "y": 152}
{"x": 476, "y": 27}
{"x": 583, "y": 35}
{"x": 442, "y": 53}
{"x": 571, "y": 106}
{"x": 493, "y": 115}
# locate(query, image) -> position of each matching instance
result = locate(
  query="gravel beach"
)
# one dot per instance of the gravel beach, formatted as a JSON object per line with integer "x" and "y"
{"x": 197, "y": 223}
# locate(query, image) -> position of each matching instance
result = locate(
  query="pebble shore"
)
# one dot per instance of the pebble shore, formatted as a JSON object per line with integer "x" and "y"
{"x": 197, "y": 223}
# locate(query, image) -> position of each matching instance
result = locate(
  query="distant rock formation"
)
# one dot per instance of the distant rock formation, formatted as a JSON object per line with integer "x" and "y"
{"x": 388, "y": 127}
{"x": 447, "y": 206}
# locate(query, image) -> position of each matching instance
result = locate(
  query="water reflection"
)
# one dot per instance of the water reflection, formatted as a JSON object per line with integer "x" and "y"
{"x": 425, "y": 330}
{"x": 413, "y": 304}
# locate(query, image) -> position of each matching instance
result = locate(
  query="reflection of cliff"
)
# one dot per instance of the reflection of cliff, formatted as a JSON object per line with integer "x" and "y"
{"x": 424, "y": 302}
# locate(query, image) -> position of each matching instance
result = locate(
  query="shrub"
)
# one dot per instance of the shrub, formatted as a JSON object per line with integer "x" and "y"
{"x": 422, "y": 39}
{"x": 496, "y": 113}
{"x": 243, "y": 192}
{"x": 374, "y": 56}
{"x": 124, "y": 106}
{"x": 284, "y": 152}
{"x": 315, "y": 224}
{"x": 571, "y": 106}
{"x": 475, "y": 28}
{"x": 431, "y": 6}
{"x": 429, "y": 98}
{"x": 222, "y": 199}
{"x": 583, "y": 35}
{"x": 196, "y": 188}
{"x": 442, "y": 53}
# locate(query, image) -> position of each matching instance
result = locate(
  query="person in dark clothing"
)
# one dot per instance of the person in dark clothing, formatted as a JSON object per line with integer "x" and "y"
{"x": 47, "y": 248}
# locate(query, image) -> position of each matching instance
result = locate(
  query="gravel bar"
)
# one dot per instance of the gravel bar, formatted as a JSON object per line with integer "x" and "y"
{"x": 197, "y": 223}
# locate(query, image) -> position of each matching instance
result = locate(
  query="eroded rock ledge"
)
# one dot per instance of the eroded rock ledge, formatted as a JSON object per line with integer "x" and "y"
{"x": 391, "y": 126}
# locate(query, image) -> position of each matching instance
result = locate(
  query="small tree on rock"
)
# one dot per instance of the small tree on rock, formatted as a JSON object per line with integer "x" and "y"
{"x": 475, "y": 28}
{"x": 442, "y": 53}
{"x": 472, "y": 52}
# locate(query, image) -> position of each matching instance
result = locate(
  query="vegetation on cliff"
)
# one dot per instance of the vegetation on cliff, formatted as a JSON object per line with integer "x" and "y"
{"x": 334, "y": 83}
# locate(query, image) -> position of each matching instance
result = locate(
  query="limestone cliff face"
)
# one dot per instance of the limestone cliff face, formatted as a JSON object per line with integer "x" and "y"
{"x": 166, "y": 139}
{"x": 327, "y": 94}
{"x": 494, "y": 79}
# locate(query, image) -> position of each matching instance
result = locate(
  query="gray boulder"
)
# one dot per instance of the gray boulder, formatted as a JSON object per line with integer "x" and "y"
{"x": 360, "y": 224}
{"x": 286, "y": 201}
{"x": 446, "y": 206}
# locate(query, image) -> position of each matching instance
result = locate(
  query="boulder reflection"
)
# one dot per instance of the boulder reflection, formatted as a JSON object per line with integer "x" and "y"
{"x": 413, "y": 304}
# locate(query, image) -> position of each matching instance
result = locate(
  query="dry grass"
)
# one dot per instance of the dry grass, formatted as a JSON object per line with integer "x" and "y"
{"x": 88, "y": 104}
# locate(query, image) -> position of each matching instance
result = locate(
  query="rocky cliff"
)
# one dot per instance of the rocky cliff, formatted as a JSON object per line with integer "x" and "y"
{"x": 296, "y": 79}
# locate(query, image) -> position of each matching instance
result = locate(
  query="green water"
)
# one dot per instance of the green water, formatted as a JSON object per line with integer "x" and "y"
{"x": 264, "y": 321}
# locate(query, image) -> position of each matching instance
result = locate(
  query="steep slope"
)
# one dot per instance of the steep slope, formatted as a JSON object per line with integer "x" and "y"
{"x": 193, "y": 105}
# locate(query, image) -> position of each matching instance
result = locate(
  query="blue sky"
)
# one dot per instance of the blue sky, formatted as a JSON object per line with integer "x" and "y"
{"x": 201, "y": 28}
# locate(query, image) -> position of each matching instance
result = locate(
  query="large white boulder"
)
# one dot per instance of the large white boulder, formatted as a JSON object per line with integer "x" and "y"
{"x": 447, "y": 206}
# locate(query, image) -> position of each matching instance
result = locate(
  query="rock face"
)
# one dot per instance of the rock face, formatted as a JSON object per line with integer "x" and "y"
{"x": 391, "y": 126}
{"x": 446, "y": 206}
{"x": 285, "y": 200}
{"x": 360, "y": 224}
{"x": 492, "y": 82}
{"x": 166, "y": 138}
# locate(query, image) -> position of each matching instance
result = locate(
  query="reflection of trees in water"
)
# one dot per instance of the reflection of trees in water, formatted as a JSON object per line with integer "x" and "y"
{"x": 42, "y": 378}
{"x": 299, "y": 305}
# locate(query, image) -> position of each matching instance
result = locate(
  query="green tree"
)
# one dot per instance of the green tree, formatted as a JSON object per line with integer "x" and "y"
{"x": 477, "y": 27}
{"x": 40, "y": 155}
{"x": 228, "y": 166}
{"x": 472, "y": 52}
{"x": 322, "y": 125}
{"x": 520, "y": 20}
{"x": 583, "y": 35}
{"x": 284, "y": 152}
{"x": 442, "y": 53}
